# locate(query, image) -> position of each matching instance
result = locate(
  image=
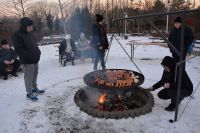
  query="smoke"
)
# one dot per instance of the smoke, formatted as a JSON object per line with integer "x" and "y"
{"x": 93, "y": 95}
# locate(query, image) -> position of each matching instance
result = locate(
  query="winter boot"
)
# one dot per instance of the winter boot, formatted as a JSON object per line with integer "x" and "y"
{"x": 171, "y": 107}
{"x": 5, "y": 77}
{"x": 73, "y": 64}
{"x": 37, "y": 91}
{"x": 14, "y": 74}
{"x": 32, "y": 97}
{"x": 103, "y": 67}
{"x": 64, "y": 63}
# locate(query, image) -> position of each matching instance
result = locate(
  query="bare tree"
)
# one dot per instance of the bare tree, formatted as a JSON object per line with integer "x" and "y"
{"x": 16, "y": 7}
{"x": 53, "y": 8}
{"x": 182, "y": 4}
{"x": 38, "y": 9}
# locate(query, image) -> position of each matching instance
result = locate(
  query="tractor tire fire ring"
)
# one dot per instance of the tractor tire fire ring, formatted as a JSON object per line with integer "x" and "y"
{"x": 81, "y": 102}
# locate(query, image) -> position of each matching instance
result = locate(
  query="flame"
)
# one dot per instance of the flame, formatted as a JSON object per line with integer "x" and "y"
{"x": 102, "y": 98}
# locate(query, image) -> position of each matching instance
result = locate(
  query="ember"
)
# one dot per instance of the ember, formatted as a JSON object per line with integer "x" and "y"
{"x": 102, "y": 98}
{"x": 115, "y": 103}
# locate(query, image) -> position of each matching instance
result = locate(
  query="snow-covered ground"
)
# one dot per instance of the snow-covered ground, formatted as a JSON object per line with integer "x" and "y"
{"x": 56, "y": 111}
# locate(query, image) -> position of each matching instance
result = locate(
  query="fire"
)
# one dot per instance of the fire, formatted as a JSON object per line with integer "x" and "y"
{"x": 102, "y": 98}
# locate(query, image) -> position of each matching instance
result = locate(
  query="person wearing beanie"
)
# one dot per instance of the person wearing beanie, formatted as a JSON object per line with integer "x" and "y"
{"x": 175, "y": 39}
{"x": 178, "y": 20}
{"x": 99, "y": 41}
{"x": 8, "y": 59}
{"x": 170, "y": 85}
{"x": 29, "y": 54}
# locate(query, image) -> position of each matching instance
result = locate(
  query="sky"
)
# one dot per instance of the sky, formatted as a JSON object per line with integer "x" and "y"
{"x": 197, "y": 1}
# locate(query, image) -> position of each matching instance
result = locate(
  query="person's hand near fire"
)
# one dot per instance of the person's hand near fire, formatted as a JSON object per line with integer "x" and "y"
{"x": 166, "y": 86}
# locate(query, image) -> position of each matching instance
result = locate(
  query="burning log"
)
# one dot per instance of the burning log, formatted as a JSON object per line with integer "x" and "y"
{"x": 111, "y": 103}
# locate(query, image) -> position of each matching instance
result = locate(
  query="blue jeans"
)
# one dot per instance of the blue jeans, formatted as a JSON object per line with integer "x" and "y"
{"x": 99, "y": 55}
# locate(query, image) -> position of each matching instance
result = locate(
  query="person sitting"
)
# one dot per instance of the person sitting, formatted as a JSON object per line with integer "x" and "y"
{"x": 67, "y": 50}
{"x": 170, "y": 85}
{"x": 8, "y": 60}
{"x": 84, "y": 48}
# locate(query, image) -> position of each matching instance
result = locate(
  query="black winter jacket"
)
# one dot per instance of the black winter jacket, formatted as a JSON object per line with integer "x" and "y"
{"x": 7, "y": 54}
{"x": 175, "y": 39}
{"x": 25, "y": 47}
{"x": 169, "y": 77}
{"x": 99, "y": 37}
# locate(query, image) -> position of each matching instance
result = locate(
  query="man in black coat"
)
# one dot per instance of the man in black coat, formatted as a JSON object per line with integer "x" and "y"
{"x": 8, "y": 58}
{"x": 175, "y": 38}
{"x": 29, "y": 54}
{"x": 170, "y": 85}
{"x": 99, "y": 41}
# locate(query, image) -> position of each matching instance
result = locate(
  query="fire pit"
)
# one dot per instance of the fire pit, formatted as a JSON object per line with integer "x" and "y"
{"x": 114, "y": 93}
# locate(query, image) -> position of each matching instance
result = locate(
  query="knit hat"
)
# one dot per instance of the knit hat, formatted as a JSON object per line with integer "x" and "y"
{"x": 99, "y": 18}
{"x": 169, "y": 62}
{"x": 4, "y": 42}
{"x": 25, "y": 21}
{"x": 178, "y": 20}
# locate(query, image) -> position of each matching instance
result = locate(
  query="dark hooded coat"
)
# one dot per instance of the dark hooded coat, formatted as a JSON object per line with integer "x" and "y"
{"x": 24, "y": 44}
{"x": 99, "y": 37}
{"x": 175, "y": 39}
{"x": 7, "y": 54}
{"x": 169, "y": 77}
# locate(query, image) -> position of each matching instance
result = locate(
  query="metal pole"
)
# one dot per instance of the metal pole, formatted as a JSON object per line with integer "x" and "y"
{"x": 156, "y": 14}
{"x": 127, "y": 54}
{"x": 167, "y": 24}
{"x": 163, "y": 36}
{"x": 180, "y": 68}
{"x": 125, "y": 23}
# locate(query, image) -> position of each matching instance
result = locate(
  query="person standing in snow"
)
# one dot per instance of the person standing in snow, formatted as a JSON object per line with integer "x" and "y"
{"x": 175, "y": 39}
{"x": 170, "y": 85}
{"x": 29, "y": 54}
{"x": 99, "y": 41}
